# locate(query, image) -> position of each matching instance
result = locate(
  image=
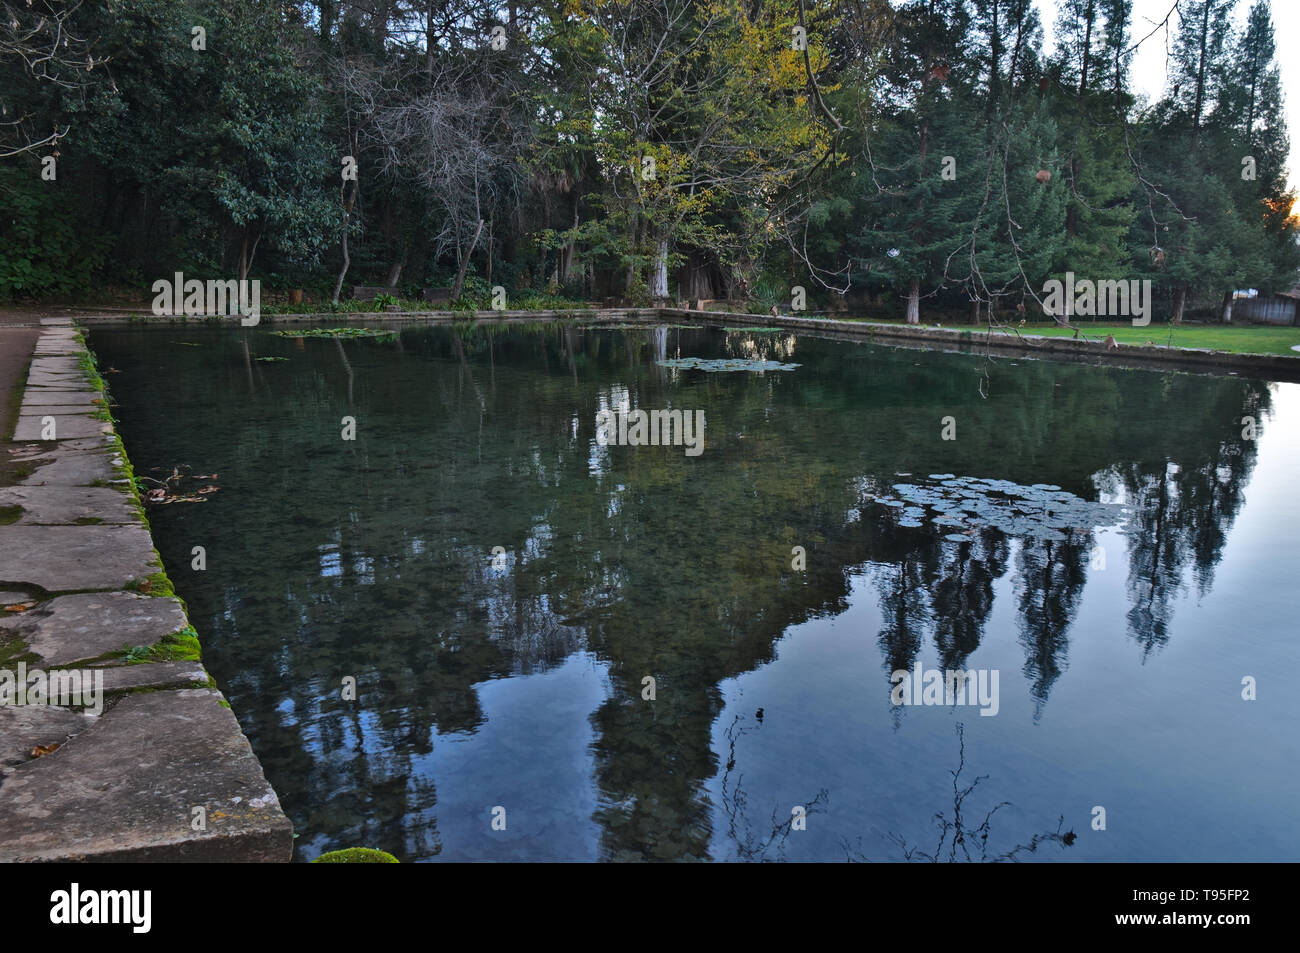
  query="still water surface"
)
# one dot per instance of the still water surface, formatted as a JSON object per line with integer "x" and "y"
{"x": 1102, "y": 541}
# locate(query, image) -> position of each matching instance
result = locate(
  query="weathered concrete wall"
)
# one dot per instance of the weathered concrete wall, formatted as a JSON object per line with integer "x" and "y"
{"x": 117, "y": 776}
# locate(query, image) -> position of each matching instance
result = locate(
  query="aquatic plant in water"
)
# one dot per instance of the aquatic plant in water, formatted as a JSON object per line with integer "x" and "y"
{"x": 379, "y": 333}
{"x": 965, "y": 504}
{"x": 638, "y": 327}
{"x": 725, "y": 364}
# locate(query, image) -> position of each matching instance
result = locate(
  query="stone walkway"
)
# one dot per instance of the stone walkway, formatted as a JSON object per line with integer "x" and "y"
{"x": 153, "y": 765}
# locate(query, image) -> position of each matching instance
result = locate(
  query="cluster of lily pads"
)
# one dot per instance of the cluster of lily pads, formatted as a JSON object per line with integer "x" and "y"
{"x": 964, "y": 504}
{"x": 337, "y": 333}
{"x": 637, "y": 327}
{"x": 725, "y": 364}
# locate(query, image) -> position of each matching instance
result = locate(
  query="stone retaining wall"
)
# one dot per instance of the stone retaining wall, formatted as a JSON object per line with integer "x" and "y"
{"x": 156, "y": 767}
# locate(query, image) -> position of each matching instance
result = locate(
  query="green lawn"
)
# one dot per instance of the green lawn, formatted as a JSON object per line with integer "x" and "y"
{"x": 1237, "y": 339}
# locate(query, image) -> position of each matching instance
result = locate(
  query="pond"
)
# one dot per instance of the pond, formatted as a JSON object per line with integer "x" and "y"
{"x": 569, "y": 644}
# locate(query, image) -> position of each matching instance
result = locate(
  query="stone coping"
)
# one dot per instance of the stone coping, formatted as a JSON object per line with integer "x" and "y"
{"x": 139, "y": 758}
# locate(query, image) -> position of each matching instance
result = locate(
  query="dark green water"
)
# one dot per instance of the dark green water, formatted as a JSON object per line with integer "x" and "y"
{"x": 1120, "y": 639}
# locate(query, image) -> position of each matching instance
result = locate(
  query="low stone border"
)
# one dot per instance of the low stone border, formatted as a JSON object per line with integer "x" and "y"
{"x": 144, "y": 760}
{"x": 978, "y": 340}
{"x": 958, "y": 339}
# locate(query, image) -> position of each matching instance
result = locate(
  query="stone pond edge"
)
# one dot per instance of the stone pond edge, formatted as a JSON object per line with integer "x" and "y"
{"x": 77, "y": 801}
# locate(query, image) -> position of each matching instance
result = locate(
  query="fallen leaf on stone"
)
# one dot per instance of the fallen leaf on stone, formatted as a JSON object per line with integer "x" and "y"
{"x": 41, "y": 750}
{"x": 19, "y": 606}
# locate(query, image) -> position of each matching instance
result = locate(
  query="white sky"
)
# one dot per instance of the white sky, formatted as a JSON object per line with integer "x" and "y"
{"x": 1150, "y": 64}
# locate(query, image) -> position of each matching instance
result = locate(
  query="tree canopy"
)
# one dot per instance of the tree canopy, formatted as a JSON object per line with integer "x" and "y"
{"x": 921, "y": 155}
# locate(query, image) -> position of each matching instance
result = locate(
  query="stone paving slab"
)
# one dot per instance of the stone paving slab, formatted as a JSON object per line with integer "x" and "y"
{"x": 85, "y": 409}
{"x": 125, "y": 789}
{"x": 30, "y": 427}
{"x": 64, "y": 382}
{"x": 97, "y": 442}
{"x": 74, "y": 468}
{"x": 69, "y": 505}
{"x": 50, "y": 379}
{"x": 123, "y": 678}
{"x": 49, "y": 396}
{"x": 23, "y": 727}
{"x": 56, "y": 364}
{"x": 88, "y": 624}
{"x": 73, "y": 558}
{"x": 57, "y": 348}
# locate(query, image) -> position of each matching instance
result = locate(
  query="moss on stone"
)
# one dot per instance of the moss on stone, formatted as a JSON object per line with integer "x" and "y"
{"x": 10, "y": 514}
{"x": 179, "y": 646}
{"x": 356, "y": 855}
{"x": 155, "y": 584}
{"x": 15, "y": 650}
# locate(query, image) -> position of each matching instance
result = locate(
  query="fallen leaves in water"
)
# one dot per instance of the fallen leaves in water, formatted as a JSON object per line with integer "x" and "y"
{"x": 169, "y": 489}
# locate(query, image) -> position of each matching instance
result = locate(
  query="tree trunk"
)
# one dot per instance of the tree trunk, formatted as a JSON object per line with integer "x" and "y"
{"x": 394, "y": 273}
{"x": 464, "y": 263}
{"x": 566, "y": 268}
{"x": 246, "y": 255}
{"x": 1200, "y": 79}
{"x": 1180, "y": 298}
{"x": 1227, "y": 307}
{"x": 347, "y": 259}
{"x": 428, "y": 39}
{"x": 914, "y": 302}
{"x": 327, "y": 14}
{"x": 631, "y": 264}
{"x": 659, "y": 277}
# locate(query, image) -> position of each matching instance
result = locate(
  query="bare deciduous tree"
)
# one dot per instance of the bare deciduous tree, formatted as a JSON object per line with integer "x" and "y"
{"x": 38, "y": 41}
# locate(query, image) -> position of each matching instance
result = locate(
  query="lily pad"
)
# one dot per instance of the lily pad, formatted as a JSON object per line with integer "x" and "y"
{"x": 724, "y": 364}
{"x": 1042, "y": 511}
{"x": 378, "y": 333}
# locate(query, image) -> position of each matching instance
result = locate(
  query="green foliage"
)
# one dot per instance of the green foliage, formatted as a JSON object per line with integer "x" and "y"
{"x": 637, "y": 151}
{"x": 42, "y": 251}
